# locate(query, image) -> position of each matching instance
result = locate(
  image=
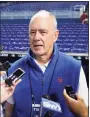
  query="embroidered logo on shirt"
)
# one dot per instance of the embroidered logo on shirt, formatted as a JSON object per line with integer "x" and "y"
{"x": 60, "y": 80}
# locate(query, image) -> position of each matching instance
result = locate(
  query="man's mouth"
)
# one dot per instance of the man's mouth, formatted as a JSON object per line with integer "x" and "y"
{"x": 38, "y": 45}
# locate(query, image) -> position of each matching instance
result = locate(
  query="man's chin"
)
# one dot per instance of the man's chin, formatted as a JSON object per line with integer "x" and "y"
{"x": 39, "y": 53}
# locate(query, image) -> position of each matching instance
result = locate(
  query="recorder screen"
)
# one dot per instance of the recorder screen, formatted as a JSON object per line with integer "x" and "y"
{"x": 18, "y": 73}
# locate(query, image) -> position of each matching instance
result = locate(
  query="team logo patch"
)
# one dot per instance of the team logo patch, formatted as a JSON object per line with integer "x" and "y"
{"x": 60, "y": 80}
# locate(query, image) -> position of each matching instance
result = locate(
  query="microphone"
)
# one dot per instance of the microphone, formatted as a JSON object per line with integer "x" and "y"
{"x": 48, "y": 107}
{"x": 3, "y": 69}
{"x": 4, "y": 66}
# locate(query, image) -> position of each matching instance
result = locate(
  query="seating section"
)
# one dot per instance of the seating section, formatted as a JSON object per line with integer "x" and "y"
{"x": 73, "y": 37}
{"x": 14, "y": 37}
{"x": 35, "y": 6}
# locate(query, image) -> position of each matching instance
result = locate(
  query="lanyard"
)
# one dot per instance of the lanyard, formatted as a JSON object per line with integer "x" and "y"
{"x": 32, "y": 95}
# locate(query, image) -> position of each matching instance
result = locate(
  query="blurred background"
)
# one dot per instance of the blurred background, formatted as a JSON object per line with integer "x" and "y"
{"x": 73, "y": 23}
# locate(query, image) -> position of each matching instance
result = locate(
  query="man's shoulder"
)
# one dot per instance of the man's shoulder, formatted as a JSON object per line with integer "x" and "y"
{"x": 68, "y": 58}
{"x": 21, "y": 60}
{"x": 21, "y": 63}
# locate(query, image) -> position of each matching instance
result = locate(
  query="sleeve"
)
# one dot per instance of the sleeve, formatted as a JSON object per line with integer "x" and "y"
{"x": 3, "y": 75}
{"x": 82, "y": 88}
{"x": 1, "y": 111}
{"x": 11, "y": 100}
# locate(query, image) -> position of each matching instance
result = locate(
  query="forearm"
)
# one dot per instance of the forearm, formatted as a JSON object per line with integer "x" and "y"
{"x": 9, "y": 110}
{"x": 7, "y": 114}
{"x": 83, "y": 114}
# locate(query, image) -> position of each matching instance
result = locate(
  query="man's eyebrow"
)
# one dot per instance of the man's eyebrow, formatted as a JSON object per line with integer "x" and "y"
{"x": 32, "y": 30}
{"x": 39, "y": 30}
{"x": 43, "y": 30}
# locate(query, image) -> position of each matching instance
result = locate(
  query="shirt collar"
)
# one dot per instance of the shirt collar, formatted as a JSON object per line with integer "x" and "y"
{"x": 46, "y": 64}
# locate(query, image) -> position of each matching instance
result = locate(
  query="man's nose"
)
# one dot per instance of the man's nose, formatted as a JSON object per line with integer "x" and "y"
{"x": 37, "y": 35}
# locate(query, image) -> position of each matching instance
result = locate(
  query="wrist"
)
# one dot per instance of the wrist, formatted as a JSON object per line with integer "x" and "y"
{"x": 85, "y": 114}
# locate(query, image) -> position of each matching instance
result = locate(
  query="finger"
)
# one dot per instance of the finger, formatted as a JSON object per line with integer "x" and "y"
{"x": 65, "y": 94}
{"x": 78, "y": 97}
{"x": 12, "y": 88}
{"x": 16, "y": 81}
{"x": 8, "y": 88}
{"x": 67, "y": 97}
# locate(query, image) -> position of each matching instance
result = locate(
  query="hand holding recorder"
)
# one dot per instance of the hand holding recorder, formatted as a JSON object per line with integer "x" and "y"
{"x": 7, "y": 91}
{"x": 8, "y": 86}
{"x": 15, "y": 76}
{"x": 75, "y": 103}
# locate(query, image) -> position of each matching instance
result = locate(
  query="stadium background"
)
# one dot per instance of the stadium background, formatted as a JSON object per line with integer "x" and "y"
{"x": 74, "y": 35}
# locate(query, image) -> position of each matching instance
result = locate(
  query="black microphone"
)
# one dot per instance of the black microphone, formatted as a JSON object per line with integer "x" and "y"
{"x": 5, "y": 66}
{"x": 47, "y": 97}
{"x": 70, "y": 91}
{"x": 48, "y": 113}
{"x": 48, "y": 107}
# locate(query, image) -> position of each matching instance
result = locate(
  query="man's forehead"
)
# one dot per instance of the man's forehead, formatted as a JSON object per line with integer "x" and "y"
{"x": 40, "y": 23}
{"x": 44, "y": 19}
{"x": 39, "y": 19}
{"x": 38, "y": 29}
{"x": 43, "y": 14}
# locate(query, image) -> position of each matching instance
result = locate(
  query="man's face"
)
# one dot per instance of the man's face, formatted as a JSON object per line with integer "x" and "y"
{"x": 42, "y": 36}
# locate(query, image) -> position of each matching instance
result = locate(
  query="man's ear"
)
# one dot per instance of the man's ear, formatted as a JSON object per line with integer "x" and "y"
{"x": 56, "y": 35}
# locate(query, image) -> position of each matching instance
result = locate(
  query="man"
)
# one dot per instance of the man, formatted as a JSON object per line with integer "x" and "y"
{"x": 47, "y": 71}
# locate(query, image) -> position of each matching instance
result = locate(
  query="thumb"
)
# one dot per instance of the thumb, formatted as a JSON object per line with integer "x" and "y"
{"x": 65, "y": 94}
{"x": 78, "y": 97}
{"x": 67, "y": 97}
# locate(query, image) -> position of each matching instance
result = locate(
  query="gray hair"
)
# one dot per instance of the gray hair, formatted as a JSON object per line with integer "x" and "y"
{"x": 44, "y": 13}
